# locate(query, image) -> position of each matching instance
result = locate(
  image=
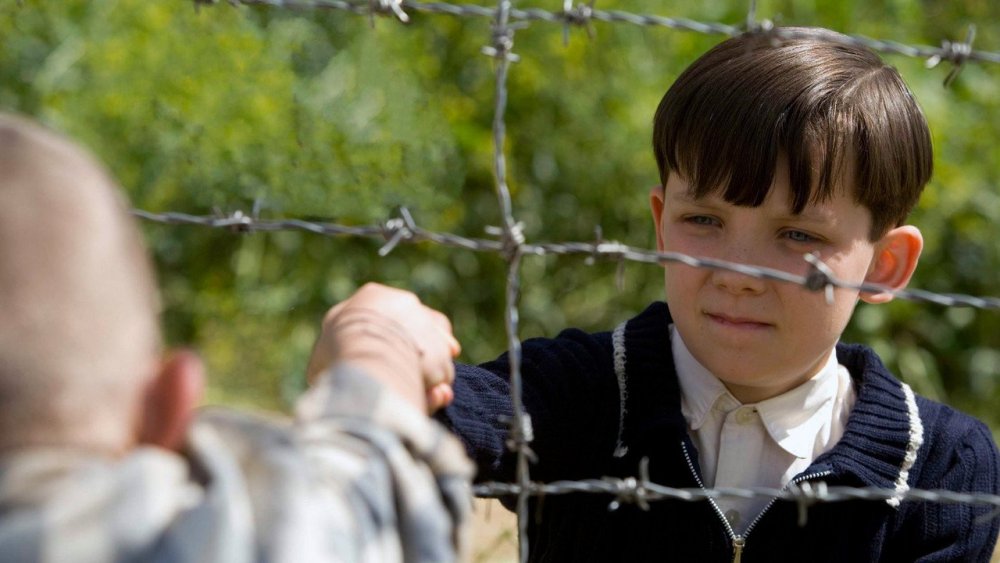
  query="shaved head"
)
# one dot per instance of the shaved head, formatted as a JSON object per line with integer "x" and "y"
{"x": 78, "y": 305}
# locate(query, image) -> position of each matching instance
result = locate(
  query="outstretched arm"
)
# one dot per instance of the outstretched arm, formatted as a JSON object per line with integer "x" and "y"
{"x": 395, "y": 482}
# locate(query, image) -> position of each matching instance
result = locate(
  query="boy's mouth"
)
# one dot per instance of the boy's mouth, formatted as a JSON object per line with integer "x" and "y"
{"x": 737, "y": 322}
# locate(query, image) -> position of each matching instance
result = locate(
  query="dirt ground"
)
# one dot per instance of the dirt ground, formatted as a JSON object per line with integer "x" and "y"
{"x": 494, "y": 533}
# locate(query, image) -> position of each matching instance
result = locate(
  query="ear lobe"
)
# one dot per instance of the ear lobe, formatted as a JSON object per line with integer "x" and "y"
{"x": 170, "y": 400}
{"x": 656, "y": 198}
{"x": 896, "y": 256}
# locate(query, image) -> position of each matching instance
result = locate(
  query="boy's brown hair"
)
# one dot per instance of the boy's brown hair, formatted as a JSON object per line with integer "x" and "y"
{"x": 832, "y": 107}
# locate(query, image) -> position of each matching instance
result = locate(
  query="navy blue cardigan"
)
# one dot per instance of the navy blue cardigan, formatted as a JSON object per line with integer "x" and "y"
{"x": 575, "y": 387}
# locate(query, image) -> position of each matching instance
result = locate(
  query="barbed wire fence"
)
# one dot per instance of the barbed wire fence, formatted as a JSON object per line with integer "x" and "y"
{"x": 509, "y": 242}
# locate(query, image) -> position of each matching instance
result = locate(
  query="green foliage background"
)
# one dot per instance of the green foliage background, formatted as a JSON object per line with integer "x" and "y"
{"x": 319, "y": 115}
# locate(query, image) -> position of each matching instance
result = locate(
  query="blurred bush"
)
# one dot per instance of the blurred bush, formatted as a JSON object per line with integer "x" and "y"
{"x": 318, "y": 115}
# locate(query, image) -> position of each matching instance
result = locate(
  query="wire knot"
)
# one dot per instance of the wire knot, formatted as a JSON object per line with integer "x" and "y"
{"x": 805, "y": 495}
{"x": 511, "y": 239}
{"x": 764, "y": 29}
{"x": 577, "y": 15}
{"x": 502, "y": 35}
{"x": 386, "y": 8}
{"x": 396, "y": 230}
{"x": 521, "y": 434}
{"x": 819, "y": 277}
{"x": 237, "y": 221}
{"x": 598, "y": 241}
{"x": 613, "y": 249}
{"x": 955, "y": 53}
{"x": 241, "y": 222}
{"x": 631, "y": 490}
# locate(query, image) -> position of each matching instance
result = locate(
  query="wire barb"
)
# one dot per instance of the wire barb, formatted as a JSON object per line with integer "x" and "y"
{"x": 763, "y": 28}
{"x": 236, "y": 221}
{"x": 521, "y": 434}
{"x": 805, "y": 496}
{"x": 579, "y": 15}
{"x": 820, "y": 276}
{"x": 387, "y": 7}
{"x": 631, "y": 490}
{"x": 396, "y": 230}
{"x": 502, "y": 43}
{"x": 598, "y": 241}
{"x": 955, "y": 53}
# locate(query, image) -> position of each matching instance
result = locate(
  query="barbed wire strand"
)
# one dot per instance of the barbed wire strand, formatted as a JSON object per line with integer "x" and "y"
{"x": 641, "y": 491}
{"x": 511, "y": 245}
{"x": 957, "y": 53}
{"x": 404, "y": 230}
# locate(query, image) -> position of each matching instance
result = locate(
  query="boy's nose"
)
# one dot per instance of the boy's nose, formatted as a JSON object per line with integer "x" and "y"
{"x": 735, "y": 282}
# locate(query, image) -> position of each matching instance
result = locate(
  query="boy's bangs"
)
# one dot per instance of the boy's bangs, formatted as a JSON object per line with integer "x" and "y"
{"x": 738, "y": 163}
{"x": 842, "y": 118}
{"x": 731, "y": 118}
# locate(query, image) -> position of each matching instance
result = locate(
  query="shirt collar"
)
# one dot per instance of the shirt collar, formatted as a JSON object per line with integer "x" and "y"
{"x": 792, "y": 419}
{"x": 795, "y": 418}
{"x": 700, "y": 389}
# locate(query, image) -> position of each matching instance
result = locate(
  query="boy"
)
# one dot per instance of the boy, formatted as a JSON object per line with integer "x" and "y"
{"x": 102, "y": 457}
{"x": 767, "y": 152}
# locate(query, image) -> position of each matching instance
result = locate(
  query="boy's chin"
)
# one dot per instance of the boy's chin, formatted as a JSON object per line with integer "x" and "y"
{"x": 753, "y": 386}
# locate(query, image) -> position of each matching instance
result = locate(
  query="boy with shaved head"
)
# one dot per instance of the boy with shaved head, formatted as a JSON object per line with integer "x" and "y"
{"x": 769, "y": 149}
{"x": 102, "y": 457}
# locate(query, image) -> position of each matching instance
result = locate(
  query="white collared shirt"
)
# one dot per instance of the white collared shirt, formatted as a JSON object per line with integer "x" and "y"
{"x": 764, "y": 444}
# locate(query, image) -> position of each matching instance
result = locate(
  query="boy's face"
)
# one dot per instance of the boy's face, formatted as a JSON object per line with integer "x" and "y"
{"x": 760, "y": 337}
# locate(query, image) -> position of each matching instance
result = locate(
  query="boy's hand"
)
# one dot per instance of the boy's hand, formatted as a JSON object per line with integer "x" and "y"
{"x": 396, "y": 339}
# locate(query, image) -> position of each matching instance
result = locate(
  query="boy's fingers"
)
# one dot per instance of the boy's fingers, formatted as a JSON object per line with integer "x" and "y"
{"x": 443, "y": 323}
{"x": 438, "y": 369}
{"x": 454, "y": 346}
{"x": 439, "y": 396}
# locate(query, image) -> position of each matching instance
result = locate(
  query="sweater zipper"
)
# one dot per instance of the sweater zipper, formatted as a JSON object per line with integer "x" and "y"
{"x": 740, "y": 541}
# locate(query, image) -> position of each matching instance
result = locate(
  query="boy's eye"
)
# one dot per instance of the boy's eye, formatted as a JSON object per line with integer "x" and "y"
{"x": 704, "y": 220}
{"x": 799, "y": 236}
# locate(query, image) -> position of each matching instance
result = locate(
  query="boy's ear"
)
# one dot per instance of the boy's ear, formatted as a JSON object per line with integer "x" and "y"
{"x": 656, "y": 197}
{"x": 896, "y": 256}
{"x": 170, "y": 400}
